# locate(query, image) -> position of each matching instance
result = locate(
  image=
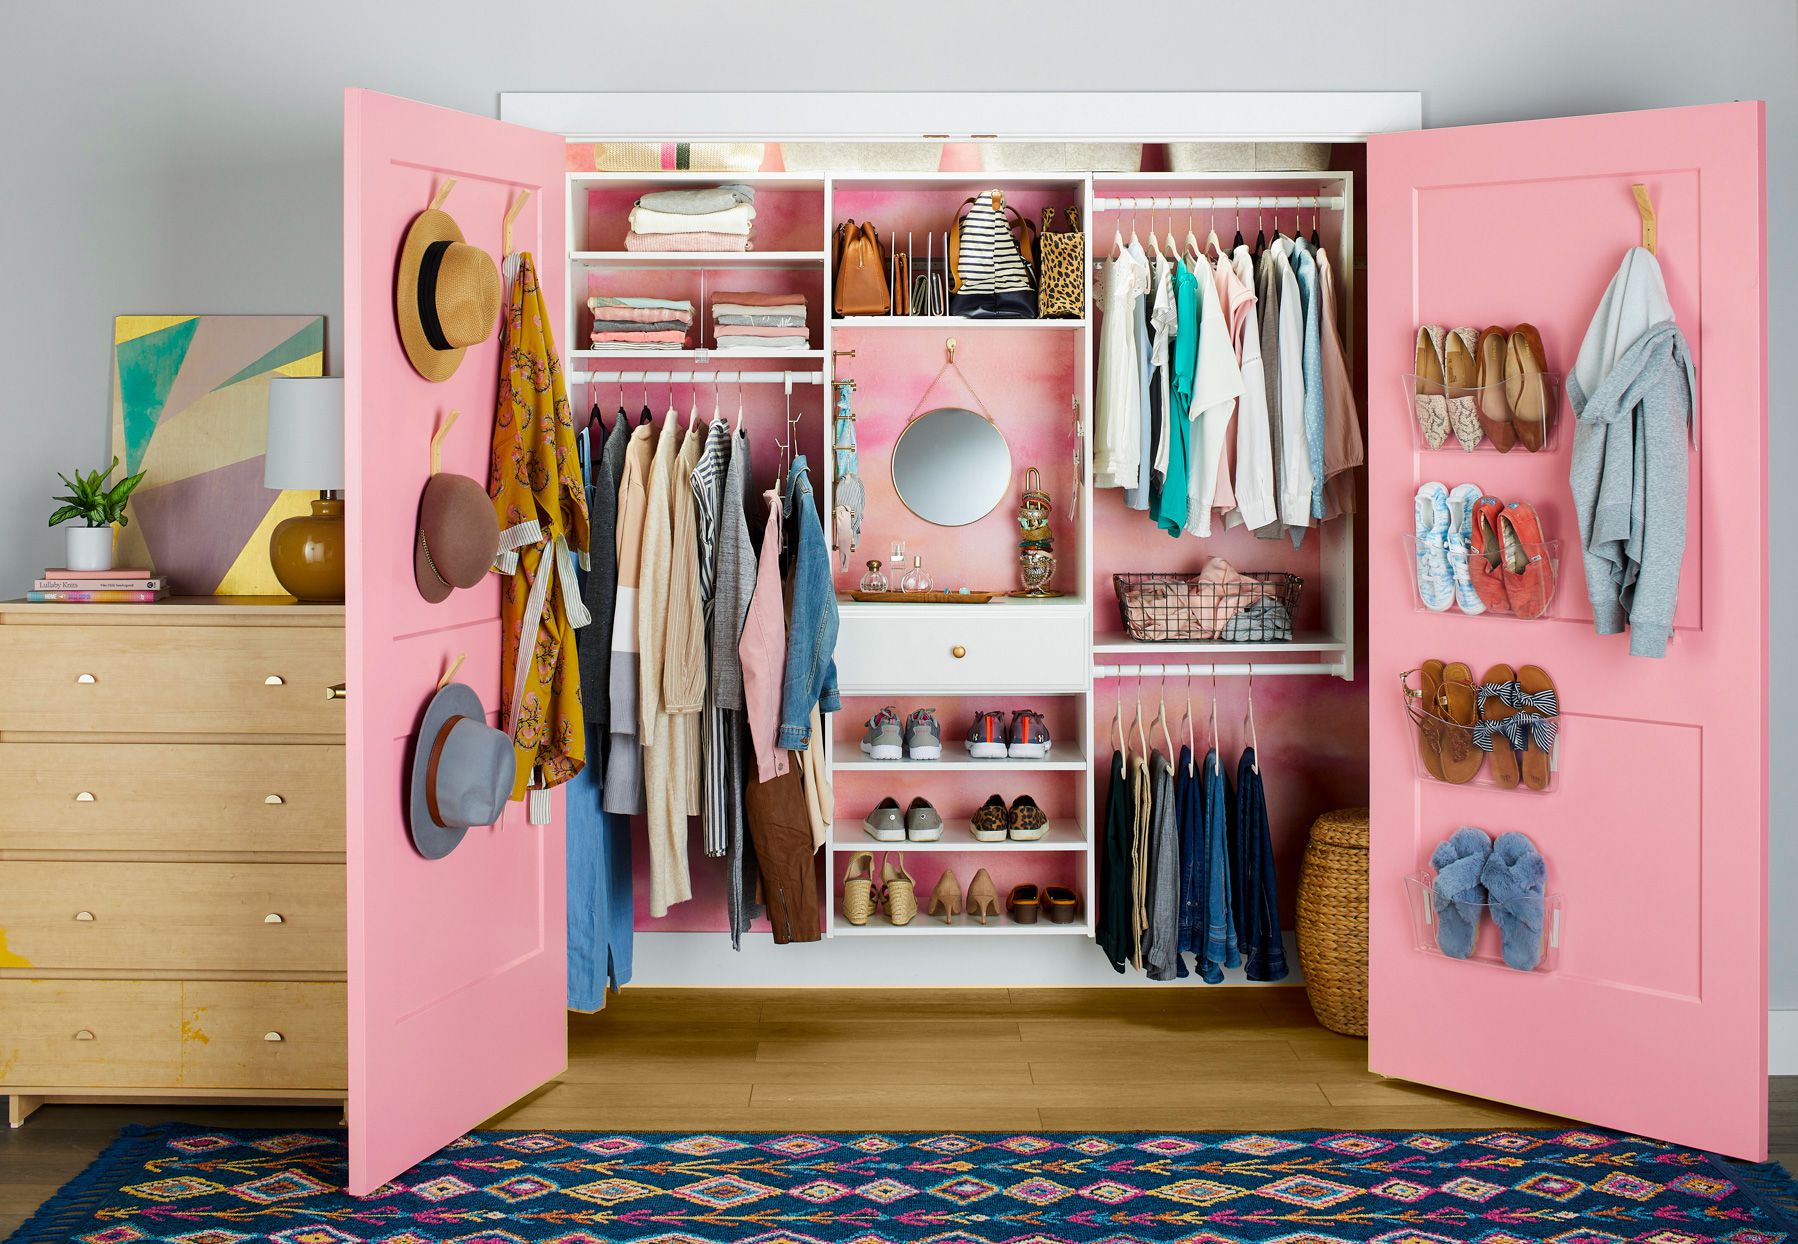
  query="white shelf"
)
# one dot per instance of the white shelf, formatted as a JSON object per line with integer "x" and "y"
{"x": 695, "y": 356}
{"x": 700, "y": 259}
{"x": 947, "y": 321}
{"x": 678, "y": 179}
{"x": 933, "y": 926}
{"x": 1302, "y": 642}
{"x": 956, "y": 760}
{"x": 848, "y": 836}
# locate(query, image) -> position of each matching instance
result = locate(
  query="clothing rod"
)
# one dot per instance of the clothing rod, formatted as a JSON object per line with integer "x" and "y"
{"x": 697, "y": 377}
{"x": 1327, "y": 202}
{"x": 1255, "y": 668}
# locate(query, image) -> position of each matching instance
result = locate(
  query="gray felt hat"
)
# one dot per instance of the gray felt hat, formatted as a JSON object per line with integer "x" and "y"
{"x": 462, "y": 771}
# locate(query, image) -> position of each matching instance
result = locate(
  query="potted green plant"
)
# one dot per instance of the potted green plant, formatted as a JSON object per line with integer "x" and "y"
{"x": 99, "y": 505}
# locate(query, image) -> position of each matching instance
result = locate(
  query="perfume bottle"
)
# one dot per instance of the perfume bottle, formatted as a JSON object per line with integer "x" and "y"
{"x": 917, "y": 579}
{"x": 896, "y": 560}
{"x": 876, "y": 578}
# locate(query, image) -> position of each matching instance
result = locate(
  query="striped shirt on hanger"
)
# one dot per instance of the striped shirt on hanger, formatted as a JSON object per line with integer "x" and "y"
{"x": 707, "y": 482}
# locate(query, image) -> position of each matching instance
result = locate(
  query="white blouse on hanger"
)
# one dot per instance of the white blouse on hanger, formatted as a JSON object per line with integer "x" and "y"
{"x": 1117, "y": 437}
{"x": 1294, "y": 451}
{"x": 1217, "y": 382}
{"x": 1256, "y": 504}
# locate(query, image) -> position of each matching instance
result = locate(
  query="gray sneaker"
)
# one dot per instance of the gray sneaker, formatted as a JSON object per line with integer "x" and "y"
{"x": 922, "y": 824}
{"x": 923, "y": 737}
{"x": 884, "y": 740}
{"x": 885, "y": 823}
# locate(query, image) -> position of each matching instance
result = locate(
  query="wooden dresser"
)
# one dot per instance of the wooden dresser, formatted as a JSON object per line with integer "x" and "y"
{"x": 171, "y": 852}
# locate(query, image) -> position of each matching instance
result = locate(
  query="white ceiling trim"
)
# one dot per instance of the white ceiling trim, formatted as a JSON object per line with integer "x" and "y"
{"x": 1019, "y": 116}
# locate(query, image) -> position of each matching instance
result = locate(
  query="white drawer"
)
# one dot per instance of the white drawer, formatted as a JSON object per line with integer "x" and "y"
{"x": 1010, "y": 647}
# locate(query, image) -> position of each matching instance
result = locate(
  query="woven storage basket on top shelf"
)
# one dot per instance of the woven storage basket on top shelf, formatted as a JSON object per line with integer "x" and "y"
{"x": 1332, "y": 930}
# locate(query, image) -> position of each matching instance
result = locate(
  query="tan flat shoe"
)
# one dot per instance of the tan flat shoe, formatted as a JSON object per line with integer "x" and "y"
{"x": 1425, "y": 706}
{"x": 983, "y": 897}
{"x": 1427, "y": 398}
{"x": 901, "y": 891}
{"x": 1459, "y": 709}
{"x": 1461, "y": 375}
{"x": 945, "y": 900}
{"x": 1526, "y": 386}
{"x": 1494, "y": 406}
{"x": 858, "y": 888}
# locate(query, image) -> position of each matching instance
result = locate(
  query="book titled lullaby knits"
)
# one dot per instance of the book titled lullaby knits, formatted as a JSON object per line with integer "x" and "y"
{"x": 108, "y": 583}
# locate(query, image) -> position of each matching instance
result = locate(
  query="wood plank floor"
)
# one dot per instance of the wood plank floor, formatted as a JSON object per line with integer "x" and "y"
{"x": 884, "y": 1060}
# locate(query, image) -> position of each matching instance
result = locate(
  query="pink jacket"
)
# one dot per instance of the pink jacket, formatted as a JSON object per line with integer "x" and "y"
{"x": 763, "y": 651}
{"x": 1343, "y": 448}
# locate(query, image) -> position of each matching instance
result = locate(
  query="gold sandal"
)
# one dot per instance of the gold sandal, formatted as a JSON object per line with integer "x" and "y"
{"x": 901, "y": 891}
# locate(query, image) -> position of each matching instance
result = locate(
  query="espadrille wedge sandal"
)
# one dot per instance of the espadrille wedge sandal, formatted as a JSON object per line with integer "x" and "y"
{"x": 901, "y": 891}
{"x": 858, "y": 888}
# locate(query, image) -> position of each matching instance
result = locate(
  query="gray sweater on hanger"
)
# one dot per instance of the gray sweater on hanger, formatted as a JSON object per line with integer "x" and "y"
{"x": 1632, "y": 389}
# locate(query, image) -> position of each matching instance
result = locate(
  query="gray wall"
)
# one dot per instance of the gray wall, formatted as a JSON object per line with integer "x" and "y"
{"x": 184, "y": 155}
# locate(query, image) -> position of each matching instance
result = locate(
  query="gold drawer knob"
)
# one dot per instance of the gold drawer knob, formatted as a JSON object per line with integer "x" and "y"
{"x": 274, "y": 680}
{"x": 84, "y": 1034}
{"x": 273, "y": 1036}
{"x": 274, "y": 917}
{"x": 273, "y": 799}
{"x": 337, "y": 692}
{"x": 958, "y": 652}
{"x": 87, "y": 679}
{"x": 86, "y": 917}
{"x": 84, "y": 796}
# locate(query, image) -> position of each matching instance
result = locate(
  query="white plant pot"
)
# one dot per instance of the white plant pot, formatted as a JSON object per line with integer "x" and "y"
{"x": 90, "y": 548}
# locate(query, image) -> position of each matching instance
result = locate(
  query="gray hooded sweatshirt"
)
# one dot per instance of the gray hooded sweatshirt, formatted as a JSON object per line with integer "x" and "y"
{"x": 1632, "y": 390}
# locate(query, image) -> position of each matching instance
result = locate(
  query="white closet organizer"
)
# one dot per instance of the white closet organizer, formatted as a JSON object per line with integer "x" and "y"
{"x": 1045, "y": 653}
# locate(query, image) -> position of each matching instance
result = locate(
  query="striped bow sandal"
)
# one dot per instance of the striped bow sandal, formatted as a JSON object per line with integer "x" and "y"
{"x": 1496, "y": 692}
{"x": 1533, "y": 727}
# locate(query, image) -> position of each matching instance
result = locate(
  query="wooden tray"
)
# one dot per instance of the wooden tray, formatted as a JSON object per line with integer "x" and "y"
{"x": 924, "y": 598}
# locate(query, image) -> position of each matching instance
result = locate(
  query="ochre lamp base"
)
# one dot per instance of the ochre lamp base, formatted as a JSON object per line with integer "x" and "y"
{"x": 307, "y": 552}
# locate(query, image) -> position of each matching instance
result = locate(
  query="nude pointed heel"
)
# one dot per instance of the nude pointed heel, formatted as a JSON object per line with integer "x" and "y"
{"x": 901, "y": 891}
{"x": 945, "y": 900}
{"x": 983, "y": 897}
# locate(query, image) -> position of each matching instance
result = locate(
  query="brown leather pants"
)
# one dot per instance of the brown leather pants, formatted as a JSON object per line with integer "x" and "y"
{"x": 782, "y": 834}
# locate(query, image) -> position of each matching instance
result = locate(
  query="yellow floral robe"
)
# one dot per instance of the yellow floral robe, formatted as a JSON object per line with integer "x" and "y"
{"x": 541, "y": 501}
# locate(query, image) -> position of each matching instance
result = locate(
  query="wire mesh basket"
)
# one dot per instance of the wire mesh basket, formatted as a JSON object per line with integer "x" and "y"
{"x": 1254, "y": 607}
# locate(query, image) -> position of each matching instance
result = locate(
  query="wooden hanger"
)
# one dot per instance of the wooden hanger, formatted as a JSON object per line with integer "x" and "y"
{"x": 450, "y": 673}
{"x": 1650, "y": 228}
{"x": 505, "y": 231}
{"x": 437, "y": 440}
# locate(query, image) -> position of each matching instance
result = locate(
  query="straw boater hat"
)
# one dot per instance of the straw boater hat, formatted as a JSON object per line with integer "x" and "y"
{"x": 446, "y": 296}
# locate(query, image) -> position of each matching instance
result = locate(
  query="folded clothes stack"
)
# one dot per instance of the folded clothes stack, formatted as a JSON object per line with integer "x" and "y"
{"x": 745, "y": 320}
{"x": 704, "y": 218}
{"x": 633, "y": 325}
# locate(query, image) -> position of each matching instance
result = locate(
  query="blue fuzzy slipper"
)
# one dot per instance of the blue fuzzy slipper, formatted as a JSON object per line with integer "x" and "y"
{"x": 1515, "y": 879}
{"x": 1456, "y": 893}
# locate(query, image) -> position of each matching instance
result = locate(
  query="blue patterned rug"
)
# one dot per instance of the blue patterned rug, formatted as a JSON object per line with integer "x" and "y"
{"x": 189, "y": 1185}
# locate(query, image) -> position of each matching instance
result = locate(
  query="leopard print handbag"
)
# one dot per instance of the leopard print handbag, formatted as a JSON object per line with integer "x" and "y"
{"x": 1061, "y": 262}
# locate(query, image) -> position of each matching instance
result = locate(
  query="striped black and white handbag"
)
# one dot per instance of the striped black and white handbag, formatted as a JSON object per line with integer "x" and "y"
{"x": 992, "y": 256}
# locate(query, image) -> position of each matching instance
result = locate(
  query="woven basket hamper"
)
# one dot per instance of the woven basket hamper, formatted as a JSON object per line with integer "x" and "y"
{"x": 1332, "y": 932}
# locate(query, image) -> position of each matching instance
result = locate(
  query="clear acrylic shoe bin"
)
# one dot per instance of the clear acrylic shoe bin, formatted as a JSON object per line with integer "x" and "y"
{"x": 1493, "y": 393}
{"x": 1456, "y": 736}
{"x": 1551, "y": 549}
{"x": 1488, "y": 945}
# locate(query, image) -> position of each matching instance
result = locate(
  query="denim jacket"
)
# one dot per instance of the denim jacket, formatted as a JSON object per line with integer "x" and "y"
{"x": 811, "y": 672}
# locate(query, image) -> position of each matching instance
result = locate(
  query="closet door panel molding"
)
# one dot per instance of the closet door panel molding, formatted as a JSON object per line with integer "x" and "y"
{"x": 1654, "y": 1020}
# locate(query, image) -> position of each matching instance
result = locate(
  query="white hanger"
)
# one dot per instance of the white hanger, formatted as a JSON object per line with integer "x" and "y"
{"x": 1133, "y": 240}
{"x": 1217, "y": 760}
{"x": 1192, "y": 243}
{"x": 1136, "y": 727}
{"x": 1119, "y": 743}
{"x": 693, "y": 410}
{"x": 1161, "y": 720}
{"x": 1117, "y": 236}
{"x": 1154, "y": 244}
{"x": 1186, "y": 726}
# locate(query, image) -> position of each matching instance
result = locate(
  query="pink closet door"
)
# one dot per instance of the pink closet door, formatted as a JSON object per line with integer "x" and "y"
{"x": 1655, "y": 1020}
{"x": 457, "y": 967}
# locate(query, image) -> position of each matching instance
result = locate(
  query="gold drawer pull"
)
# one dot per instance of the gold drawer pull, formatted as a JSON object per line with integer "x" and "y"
{"x": 86, "y": 917}
{"x": 84, "y": 796}
{"x": 84, "y": 1034}
{"x": 274, "y": 680}
{"x": 273, "y": 1036}
{"x": 274, "y": 917}
{"x": 273, "y": 799}
{"x": 337, "y": 692}
{"x": 958, "y": 652}
{"x": 86, "y": 678}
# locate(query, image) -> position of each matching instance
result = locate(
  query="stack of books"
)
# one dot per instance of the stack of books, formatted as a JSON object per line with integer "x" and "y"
{"x": 98, "y": 587}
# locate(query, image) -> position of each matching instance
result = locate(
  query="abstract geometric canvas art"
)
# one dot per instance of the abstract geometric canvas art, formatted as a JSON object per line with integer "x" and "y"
{"x": 190, "y": 408}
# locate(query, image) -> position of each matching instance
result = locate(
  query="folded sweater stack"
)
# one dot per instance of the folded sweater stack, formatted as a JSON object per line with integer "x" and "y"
{"x": 633, "y": 325}
{"x": 745, "y": 320}
{"x": 705, "y": 218}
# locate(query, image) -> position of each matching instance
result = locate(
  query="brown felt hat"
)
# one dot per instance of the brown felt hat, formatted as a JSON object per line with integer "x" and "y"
{"x": 446, "y": 295}
{"x": 458, "y": 536}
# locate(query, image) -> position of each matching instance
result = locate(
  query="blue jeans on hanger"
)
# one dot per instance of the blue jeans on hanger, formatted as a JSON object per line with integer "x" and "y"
{"x": 600, "y": 903}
